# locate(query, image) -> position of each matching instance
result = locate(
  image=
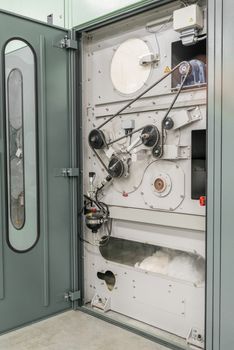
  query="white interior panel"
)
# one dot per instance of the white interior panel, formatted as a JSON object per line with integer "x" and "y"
{"x": 146, "y": 259}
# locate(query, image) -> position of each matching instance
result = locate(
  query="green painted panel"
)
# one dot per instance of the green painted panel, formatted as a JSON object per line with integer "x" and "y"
{"x": 33, "y": 283}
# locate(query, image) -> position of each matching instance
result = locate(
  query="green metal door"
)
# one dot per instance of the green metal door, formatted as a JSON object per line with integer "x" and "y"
{"x": 35, "y": 190}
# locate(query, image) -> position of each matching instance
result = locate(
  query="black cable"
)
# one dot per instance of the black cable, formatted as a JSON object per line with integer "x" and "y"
{"x": 100, "y": 159}
{"x": 169, "y": 110}
{"x": 92, "y": 200}
{"x": 139, "y": 96}
{"x": 134, "y": 100}
{"x": 104, "y": 207}
{"x": 106, "y": 240}
{"x": 184, "y": 77}
{"x": 101, "y": 205}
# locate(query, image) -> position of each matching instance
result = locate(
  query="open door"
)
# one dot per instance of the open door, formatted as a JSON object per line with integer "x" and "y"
{"x": 35, "y": 172}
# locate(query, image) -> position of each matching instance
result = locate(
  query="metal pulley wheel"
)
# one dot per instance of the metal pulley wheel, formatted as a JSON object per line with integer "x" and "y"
{"x": 116, "y": 167}
{"x": 97, "y": 139}
{"x": 150, "y": 135}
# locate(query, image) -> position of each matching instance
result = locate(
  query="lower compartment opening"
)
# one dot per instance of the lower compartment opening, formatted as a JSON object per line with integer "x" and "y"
{"x": 157, "y": 289}
{"x": 182, "y": 265}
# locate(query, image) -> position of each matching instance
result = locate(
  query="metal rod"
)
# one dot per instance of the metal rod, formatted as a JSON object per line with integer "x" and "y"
{"x": 138, "y": 96}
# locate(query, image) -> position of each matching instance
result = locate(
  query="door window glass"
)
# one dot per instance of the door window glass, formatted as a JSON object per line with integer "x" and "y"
{"x": 21, "y": 145}
{"x": 16, "y": 153}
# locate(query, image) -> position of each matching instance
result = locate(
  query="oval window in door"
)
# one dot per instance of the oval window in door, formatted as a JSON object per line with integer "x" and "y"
{"x": 21, "y": 147}
{"x": 16, "y": 149}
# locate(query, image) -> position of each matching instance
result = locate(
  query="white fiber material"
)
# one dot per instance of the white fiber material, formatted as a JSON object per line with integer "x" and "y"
{"x": 181, "y": 265}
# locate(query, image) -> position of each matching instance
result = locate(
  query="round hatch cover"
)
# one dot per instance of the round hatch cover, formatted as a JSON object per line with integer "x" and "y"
{"x": 127, "y": 74}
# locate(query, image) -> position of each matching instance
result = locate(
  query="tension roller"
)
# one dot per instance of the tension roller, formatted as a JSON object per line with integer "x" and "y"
{"x": 150, "y": 135}
{"x": 97, "y": 139}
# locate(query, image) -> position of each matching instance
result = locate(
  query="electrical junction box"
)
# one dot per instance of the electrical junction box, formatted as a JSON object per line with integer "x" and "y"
{"x": 187, "y": 18}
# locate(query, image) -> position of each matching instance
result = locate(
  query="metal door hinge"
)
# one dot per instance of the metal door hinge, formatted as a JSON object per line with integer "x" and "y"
{"x": 67, "y": 43}
{"x": 72, "y": 296}
{"x": 66, "y": 172}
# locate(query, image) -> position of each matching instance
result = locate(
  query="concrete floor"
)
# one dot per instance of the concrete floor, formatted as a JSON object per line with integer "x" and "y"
{"x": 74, "y": 331}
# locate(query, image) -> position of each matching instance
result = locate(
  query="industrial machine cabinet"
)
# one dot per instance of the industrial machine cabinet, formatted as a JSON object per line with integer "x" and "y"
{"x": 116, "y": 172}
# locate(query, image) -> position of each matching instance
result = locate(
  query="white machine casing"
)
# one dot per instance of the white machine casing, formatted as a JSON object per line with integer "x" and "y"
{"x": 168, "y": 224}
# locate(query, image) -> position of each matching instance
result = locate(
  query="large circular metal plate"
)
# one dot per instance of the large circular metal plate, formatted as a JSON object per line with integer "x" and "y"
{"x": 163, "y": 185}
{"x": 127, "y": 74}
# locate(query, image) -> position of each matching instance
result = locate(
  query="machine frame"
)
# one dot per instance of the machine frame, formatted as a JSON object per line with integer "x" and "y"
{"x": 214, "y": 144}
{"x": 219, "y": 240}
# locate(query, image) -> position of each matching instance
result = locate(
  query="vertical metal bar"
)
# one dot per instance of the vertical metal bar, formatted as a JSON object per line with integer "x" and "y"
{"x": 74, "y": 132}
{"x": 210, "y": 179}
{"x": 1, "y": 235}
{"x": 3, "y": 187}
{"x": 43, "y": 169}
{"x": 79, "y": 117}
{"x": 68, "y": 13}
{"x": 226, "y": 281}
{"x": 217, "y": 190}
{"x": 215, "y": 24}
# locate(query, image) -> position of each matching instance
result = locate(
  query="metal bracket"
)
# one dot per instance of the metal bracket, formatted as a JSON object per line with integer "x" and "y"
{"x": 102, "y": 303}
{"x": 149, "y": 59}
{"x": 72, "y": 296}
{"x": 186, "y": 117}
{"x": 50, "y": 19}
{"x": 189, "y": 36}
{"x": 195, "y": 338}
{"x": 66, "y": 172}
{"x": 176, "y": 152}
{"x": 67, "y": 43}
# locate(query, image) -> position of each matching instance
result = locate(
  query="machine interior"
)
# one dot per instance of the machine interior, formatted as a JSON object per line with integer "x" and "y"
{"x": 144, "y": 166}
